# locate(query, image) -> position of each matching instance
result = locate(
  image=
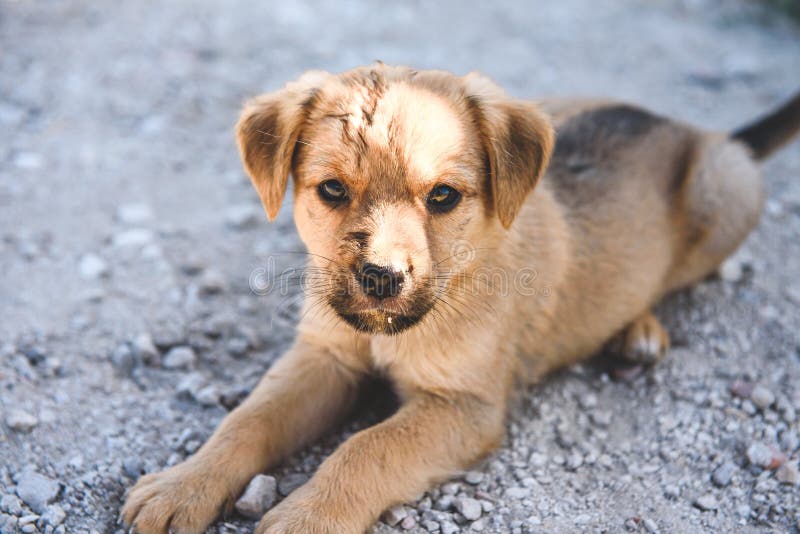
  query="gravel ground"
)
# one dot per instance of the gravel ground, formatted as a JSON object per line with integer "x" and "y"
{"x": 129, "y": 237}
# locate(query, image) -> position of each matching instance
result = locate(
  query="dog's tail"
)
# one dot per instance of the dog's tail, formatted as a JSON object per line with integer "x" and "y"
{"x": 770, "y": 132}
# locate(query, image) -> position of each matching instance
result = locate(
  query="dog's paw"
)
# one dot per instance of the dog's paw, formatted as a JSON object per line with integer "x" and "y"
{"x": 306, "y": 512}
{"x": 184, "y": 499}
{"x": 645, "y": 341}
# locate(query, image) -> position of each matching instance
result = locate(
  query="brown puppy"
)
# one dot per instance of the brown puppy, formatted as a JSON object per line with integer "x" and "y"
{"x": 441, "y": 271}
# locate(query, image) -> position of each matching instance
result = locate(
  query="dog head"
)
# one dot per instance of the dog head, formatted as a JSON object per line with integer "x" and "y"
{"x": 394, "y": 170}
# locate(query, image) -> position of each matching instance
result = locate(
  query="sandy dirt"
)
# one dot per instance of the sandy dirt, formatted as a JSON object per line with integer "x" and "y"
{"x": 124, "y": 213}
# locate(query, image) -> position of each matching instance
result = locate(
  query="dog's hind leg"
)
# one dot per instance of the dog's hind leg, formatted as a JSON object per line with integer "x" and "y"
{"x": 644, "y": 341}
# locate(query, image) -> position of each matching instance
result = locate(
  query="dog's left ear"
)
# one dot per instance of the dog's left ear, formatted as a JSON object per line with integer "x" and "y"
{"x": 267, "y": 134}
{"x": 518, "y": 139}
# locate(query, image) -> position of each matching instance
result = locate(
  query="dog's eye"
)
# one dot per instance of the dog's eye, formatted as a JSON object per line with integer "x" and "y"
{"x": 442, "y": 198}
{"x": 332, "y": 191}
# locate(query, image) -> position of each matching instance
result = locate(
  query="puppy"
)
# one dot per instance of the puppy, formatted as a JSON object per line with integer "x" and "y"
{"x": 435, "y": 263}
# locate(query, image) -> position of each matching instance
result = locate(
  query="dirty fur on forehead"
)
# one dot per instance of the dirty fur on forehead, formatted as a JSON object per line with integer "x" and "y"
{"x": 408, "y": 113}
{"x": 374, "y": 86}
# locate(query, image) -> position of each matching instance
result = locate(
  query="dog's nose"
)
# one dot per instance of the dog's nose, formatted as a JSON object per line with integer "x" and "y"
{"x": 380, "y": 282}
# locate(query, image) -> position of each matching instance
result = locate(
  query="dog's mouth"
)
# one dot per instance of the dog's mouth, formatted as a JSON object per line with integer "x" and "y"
{"x": 389, "y": 317}
{"x": 380, "y": 322}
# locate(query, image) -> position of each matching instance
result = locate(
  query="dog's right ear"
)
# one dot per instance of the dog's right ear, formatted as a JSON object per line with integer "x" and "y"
{"x": 267, "y": 133}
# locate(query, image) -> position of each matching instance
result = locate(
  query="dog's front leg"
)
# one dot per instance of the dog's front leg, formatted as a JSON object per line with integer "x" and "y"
{"x": 302, "y": 395}
{"x": 431, "y": 437}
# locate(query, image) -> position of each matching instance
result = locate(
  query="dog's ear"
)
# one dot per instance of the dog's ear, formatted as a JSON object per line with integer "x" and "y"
{"x": 518, "y": 139}
{"x": 267, "y": 133}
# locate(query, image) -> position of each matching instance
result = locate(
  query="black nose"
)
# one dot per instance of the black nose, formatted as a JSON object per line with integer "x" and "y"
{"x": 380, "y": 282}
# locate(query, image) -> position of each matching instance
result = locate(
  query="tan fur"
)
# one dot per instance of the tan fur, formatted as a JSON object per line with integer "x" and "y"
{"x": 633, "y": 206}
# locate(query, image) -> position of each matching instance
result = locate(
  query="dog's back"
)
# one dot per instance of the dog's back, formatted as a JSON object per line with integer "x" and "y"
{"x": 651, "y": 205}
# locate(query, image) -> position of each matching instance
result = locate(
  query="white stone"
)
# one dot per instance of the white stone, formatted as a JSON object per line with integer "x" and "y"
{"x": 92, "y": 267}
{"x": 134, "y": 213}
{"x": 28, "y": 160}
{"x": 469, "y": 508}
{"x": 37, "y": 491}
{"x": 762, "y": 397}
{"x": 21, "y": 421}
{"x": 473, "y": 477}
{"x": 135, "y": 237}
{"x": 707, "y": 502}
{"x": 258, "y": 497}
{"x": 731, "y": 270}
{"x": 179, "y": 358}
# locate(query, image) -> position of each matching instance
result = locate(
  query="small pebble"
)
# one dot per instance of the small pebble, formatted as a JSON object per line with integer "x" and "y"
{"x": 28, "y": 160}
{"x": 167, "y": 336}
{"x": 706, "y": 502}
{"x": 145, "y": 349}
{"x": 762, "y": 397}
{"x": 28, "y": 519}
{"x": 588, "y": 401}
{"x": 259, "y": 497}
{"x": 788, "y": 473}
{"x": 443, "y": 503}
{"x": 237, "y": 346}
{"x": 394, "y": 515}
{"x": 574, "y": 461}
{"x": 8, "y": 523}
{"x": 722, "y": 475}
{"x": 763, "y": 456}
{"x": 671, "y": 491}
{"x": 212, "y": 283}
{"x": 628, "y": 373}
{"x": 469, "y": 508}
{"x": 650, "y": 526}
{"x": 408, "y": 523}
{"x": 448, "y": 527}
{"x": 743, "y": 510}
{"x": 92, "y": 267}
{"x": 192, "y": 266}
{"x": 133, "y": 466}
{"x": 179, "y": 358}
{"x": 54, "y": 515}
{"x": 11, "y": 504}
{"x": 537, "y": 459}
{"x": 430, "y": 525}
{"x": 601, "y": 418}
{"x": 789, "y": 440}
{"x": 451, "y": 488}
{"x": 37, "y": 491}
{"x": 742, "y": 389}
{"x": 731, "y": 270}
{"x": 208, "y": 396}
{"x": 134, "y": 213}
{"x": 21, "y": 421}
{"x": 124, "y": 359}
{"x": 473, "y": 477}
{"x": 136, "y": 237}
{"x": 192, "y": 446}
